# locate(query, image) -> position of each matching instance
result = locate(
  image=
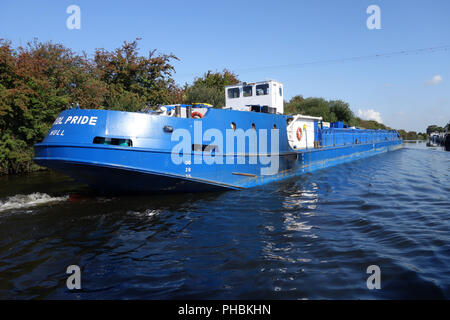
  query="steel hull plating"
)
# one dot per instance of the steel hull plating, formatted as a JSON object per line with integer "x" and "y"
{"x": 124, "y": 170}
{"x": 141, "y": 159}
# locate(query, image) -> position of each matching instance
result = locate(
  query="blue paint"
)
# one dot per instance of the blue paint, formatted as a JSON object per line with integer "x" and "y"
{"x": 135, "y": 153}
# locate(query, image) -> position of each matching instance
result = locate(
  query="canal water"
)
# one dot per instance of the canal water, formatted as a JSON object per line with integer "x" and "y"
{"x": 312, "y": 237}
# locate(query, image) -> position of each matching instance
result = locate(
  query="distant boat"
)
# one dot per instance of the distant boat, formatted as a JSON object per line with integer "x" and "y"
{"x": 437, "y": 139}
{"x": 446, "y": 140}
{"x": 434, "y": 140}
{"x": 191, "y": 148}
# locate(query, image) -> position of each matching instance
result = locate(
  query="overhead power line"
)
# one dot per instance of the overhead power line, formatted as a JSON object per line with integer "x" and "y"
{"x": 351, "y": 59}
{"x": 341, "y": 60}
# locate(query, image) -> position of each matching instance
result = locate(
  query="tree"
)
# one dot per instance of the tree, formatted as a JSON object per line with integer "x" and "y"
{"x": 40, "y": 80}
{"x": 434, "y": 128}
{"x": 342, "y": 111}
{"x": 35, "y": 85}
{"x": 211, "y": 88}
{"x": 422, "y": 136}
{"x": 330, "y": 111}
{"x": 403, "y": 133}
{"x": 411, "y": 135}
{"x": 369, "y": 124}
{"x": 317, "y": 107}
{"x": 133, "y": 79}
{"x": 292, "y": 105}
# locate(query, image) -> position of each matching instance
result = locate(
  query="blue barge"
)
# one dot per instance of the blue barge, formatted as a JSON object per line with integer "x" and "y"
{"x": 192, "y": 148}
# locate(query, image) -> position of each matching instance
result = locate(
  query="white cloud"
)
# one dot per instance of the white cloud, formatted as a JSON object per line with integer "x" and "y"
{"x": 435, "y": 80}
{"x": 370, "y": 114}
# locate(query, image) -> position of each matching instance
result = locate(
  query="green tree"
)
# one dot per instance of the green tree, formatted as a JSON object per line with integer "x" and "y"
{"x": 434, "y": 128}
{"x": 133, "y": 79}
{"x": 40, "y": 80}
{"x": 210, "y": 88}
{"x": 330, "y": 111}
{"x": 402, "y": 133}
{"x": 317, "y": 107}
{"x": 422, "y": 136}
{"x": 35, "y": 85}
{"x": 369, "y": 124}
{"x": 342, "y": 111}
{"x": 292, "y": 105}
{"x": 411, "y": 135}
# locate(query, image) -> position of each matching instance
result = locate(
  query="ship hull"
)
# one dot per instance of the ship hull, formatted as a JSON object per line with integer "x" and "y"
{"x": 108, "y": 179}
{"x": 127, "y": 152}
{"x": 123, "y": 170}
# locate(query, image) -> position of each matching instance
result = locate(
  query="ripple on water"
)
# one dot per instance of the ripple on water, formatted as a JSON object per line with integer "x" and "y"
{"x": 309, "y": 237}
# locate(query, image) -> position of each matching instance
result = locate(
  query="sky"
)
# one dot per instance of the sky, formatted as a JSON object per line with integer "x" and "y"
{"x": 306, "y": 45}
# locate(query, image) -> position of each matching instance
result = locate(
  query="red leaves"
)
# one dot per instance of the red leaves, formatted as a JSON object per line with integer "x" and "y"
{"x": 39, "y": 80}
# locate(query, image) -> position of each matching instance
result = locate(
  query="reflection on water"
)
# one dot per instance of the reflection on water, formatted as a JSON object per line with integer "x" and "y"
{"x": 305, "y": 238}
{"x": 300, "y": 203}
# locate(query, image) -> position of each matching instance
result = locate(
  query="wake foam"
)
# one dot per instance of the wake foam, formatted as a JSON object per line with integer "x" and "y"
{"x": 30, "y": 200}
{"x": 147, "y": 213}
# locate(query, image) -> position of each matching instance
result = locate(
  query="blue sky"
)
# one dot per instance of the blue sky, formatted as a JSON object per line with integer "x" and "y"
{"x": 272, "y": 39}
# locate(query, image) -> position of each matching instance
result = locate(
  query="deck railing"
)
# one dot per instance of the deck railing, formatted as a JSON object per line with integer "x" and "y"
{"x": 342, "y": 137}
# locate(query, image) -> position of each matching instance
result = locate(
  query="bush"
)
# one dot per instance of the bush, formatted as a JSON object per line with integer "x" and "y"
{"x": 39, "y": 81}
{"x": 210, "y": 88}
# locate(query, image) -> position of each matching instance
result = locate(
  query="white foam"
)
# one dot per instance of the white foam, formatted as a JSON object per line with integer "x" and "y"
{"x": 28, "y": 200}
{"x": 147, "y": 213}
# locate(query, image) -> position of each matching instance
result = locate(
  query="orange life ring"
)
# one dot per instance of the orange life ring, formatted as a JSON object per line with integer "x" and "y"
{"x": 197, "y": 114}
{"x": 299, "y": 133}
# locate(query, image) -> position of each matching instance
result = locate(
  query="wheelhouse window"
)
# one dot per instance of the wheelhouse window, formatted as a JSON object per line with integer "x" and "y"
{"x": 262, "y": 89}
{"x": 233, "y": 93}
{"x": 248, "y": 91}
{"x": 281, "y": 92}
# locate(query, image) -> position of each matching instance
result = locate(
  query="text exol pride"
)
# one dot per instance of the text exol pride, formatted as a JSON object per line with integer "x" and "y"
{"x": 92, "y": 121}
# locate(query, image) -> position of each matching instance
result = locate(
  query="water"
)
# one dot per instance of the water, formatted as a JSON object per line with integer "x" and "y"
{"x": 311, "y": 237}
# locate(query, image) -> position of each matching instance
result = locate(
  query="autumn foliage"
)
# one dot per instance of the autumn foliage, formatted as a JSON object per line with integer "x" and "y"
{"x": 40, "y": 80}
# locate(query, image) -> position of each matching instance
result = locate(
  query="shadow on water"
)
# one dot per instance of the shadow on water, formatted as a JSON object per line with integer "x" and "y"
{"x": 58, "y": 185}
{"x": 43, "y": 181}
